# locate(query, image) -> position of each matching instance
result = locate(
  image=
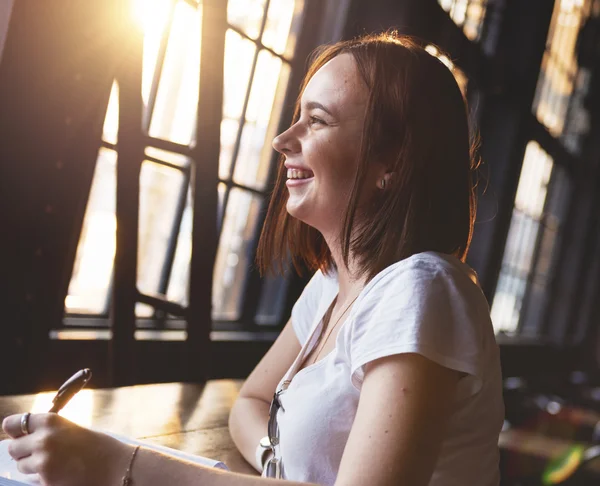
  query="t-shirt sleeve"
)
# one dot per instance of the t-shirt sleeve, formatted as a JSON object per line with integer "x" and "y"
{"x": 425, "y": 310}
{"x": 305, "y": 308}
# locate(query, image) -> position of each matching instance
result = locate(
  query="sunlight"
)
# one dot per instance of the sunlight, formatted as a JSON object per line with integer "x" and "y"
{"x": 95, "y": 253}
{"x": 78, "y": 410}
{"x": 525, "y": 226}
{"x": 255, "y": 78}
{"x": 559, "y": 66}
{"x": 152, "y": 17}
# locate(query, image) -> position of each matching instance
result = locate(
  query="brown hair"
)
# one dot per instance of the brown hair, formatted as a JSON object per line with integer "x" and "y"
{"x": 416, "y": 123}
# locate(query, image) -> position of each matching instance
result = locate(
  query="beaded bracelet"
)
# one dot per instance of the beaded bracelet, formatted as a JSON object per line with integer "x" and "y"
{"x": 127, "y": 478}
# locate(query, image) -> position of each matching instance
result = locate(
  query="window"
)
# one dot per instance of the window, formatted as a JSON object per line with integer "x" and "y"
{"x": 468, "y": 14}
{"x": 259, "y": 46}
{"x": 529, "y": 254}
{"x": 544, "y": 186}
{"x": 559, "y": 74}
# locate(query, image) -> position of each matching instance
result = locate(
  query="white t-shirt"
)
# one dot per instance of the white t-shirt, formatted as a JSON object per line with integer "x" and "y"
{"x": 430, "y": 304}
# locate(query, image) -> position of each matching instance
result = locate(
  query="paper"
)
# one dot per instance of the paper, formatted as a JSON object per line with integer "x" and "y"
{"x": 10, "y": 475}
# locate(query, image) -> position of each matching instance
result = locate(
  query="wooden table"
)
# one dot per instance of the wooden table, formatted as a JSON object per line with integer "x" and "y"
{"x": 193, "y": 418}
{"x": 189, "y": 417}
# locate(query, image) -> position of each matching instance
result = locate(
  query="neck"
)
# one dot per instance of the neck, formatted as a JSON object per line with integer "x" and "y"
{"x": 350, "y": 280}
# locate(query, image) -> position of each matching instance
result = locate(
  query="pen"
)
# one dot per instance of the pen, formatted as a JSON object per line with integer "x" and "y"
{"x": 70, "y": 388}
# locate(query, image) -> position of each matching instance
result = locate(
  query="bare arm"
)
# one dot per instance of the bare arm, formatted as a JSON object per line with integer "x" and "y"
{"x": 405, "y": 403}
{"x": 152, "y": 468}
{"x": 65, "y": 454}
{"x": 56, "y": 446}
{"x": 250, "y": 413}
{"x": 403, "y": 410}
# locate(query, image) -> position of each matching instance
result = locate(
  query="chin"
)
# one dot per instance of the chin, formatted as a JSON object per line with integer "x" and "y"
{"x": 298, "y": 212}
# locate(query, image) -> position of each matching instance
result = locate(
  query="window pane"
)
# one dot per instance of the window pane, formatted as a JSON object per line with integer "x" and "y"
{"x": 577, "y": 122}
{"x": 559, "y": 66}
{"x": 239, "y": 54}
{"x": 166, "y": 156}
{"x": 526, "y": 223}
{"x": 111, "y": 120}
{"x": 152, "y": 16}
{"x": 88, "y": 289}
{"x": 246, "y": 15}
{"x": 229, "y": 131}
{"x": 180, "y": 273}
{"x": 143, "y": 310}
{"x": 221, "y": 189}
{"x": 468, "y": 14}
{"x": 262, "y": 118}
{"x": 474, "y": 19}
{"x": 277, "y": 28}
{"x": 160, "y": 190}
{"x": 271, "y": 301}
{"x": 233, "y": 257}
{"x": 174, "y": 116}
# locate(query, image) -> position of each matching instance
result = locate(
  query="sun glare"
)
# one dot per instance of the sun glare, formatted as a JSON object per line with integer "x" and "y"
{"x": 150, "y": 15}
{"x": 78, "y": 410}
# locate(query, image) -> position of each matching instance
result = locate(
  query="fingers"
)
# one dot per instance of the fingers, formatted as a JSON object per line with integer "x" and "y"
{"x": 12, "y": 424}
{"x": 28, "y": 465}
{"x": 21, "y": 447}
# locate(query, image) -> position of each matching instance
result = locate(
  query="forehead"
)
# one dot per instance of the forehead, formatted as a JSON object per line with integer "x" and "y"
{"x": 337, "y": 84}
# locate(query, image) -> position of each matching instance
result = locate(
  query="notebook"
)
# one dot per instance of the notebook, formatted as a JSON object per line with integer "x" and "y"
{"x": 10, "y": 476}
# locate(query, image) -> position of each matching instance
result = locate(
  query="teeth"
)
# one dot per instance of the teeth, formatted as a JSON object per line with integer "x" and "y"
{"x": 298, "y": 174}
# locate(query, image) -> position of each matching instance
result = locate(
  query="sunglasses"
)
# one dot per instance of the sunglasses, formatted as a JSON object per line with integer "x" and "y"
{"x": 273, "y": 467}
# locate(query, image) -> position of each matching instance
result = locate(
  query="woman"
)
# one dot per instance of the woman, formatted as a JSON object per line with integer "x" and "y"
{"x": 387, "y": 372}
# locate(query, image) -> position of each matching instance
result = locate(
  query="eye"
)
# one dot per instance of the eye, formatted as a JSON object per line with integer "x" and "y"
{"x": 315, "y": 120}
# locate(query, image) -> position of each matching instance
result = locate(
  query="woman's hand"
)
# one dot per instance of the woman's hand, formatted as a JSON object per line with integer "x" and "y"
{"x": 65, "y": 454}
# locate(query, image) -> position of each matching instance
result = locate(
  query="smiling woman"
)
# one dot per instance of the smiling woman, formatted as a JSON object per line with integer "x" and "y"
{"x": 388, "y": 372}
{"x": 392, "y": 333}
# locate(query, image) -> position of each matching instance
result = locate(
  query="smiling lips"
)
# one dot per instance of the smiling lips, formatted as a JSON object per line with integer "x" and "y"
{"x": 297, "y": 177}
{"x": 299, "y": 174}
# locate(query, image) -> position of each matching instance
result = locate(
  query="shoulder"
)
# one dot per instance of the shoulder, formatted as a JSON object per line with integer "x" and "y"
{"x": 424, "y": 273}
{"x": 428, "y": 299}
{"x": 429, "y": 304}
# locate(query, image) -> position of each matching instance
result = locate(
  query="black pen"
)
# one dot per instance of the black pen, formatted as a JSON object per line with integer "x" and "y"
{"x": 70, "y": 388}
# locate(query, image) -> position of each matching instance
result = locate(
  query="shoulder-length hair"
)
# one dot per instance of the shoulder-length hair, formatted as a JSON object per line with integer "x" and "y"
{"x": 416, "y": 123}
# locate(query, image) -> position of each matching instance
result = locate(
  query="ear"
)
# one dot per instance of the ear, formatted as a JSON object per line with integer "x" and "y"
{"x": 385, "y": 179}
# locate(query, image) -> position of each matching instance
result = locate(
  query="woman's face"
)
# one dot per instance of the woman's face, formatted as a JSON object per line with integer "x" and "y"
{"x": 322, "y": 147}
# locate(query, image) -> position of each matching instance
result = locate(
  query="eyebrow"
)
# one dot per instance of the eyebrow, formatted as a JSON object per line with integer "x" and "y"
{"x": 311, "y": 105}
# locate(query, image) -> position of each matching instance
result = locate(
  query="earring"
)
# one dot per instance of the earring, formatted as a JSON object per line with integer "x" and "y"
{"x": 382, "y": 183}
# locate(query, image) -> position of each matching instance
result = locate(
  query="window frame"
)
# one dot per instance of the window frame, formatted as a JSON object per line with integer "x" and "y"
{"x": 169, "y": 316}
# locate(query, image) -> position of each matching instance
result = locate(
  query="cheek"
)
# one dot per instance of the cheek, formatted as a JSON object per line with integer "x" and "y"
{"x": 334, "y": 161}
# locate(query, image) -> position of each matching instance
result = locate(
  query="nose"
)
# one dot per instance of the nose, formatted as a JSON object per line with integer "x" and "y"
{"x": 287, "y": 143}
